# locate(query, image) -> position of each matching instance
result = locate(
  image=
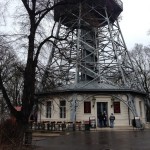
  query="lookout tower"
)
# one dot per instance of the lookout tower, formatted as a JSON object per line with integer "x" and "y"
{"x": 92, "y": 47}
{"x": 90, "y": 55}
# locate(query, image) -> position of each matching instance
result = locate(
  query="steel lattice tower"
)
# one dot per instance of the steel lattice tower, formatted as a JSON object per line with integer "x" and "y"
{"x": 93, "y": 48}
{"x": 90, "y": 49}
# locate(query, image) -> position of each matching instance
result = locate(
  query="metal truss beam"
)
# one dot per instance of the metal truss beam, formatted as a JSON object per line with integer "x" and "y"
{"x": 91, "y": 53}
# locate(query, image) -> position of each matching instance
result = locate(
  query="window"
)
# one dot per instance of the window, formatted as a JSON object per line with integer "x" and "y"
{"x": 117, "y": 107}
{"x": 48, "y": 109}
{"x": 140, "y": 107}
{"x": 87, "y": 107}
{"x": 62, "y": 109}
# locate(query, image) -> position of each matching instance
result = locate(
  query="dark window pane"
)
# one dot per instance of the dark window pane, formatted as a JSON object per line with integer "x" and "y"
{"x": 62, "y": 109}
{"x": 62, "y": 103}
{"x": 87, "y": 107}
{"x": 48, "y": 109}
{"x": 117, "y": 107}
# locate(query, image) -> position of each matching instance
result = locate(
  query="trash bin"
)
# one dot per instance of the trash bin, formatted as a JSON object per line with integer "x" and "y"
{"x": 87, "y": 126}
{"x": 28, "y": 137}
{"x": 133, "y": 123}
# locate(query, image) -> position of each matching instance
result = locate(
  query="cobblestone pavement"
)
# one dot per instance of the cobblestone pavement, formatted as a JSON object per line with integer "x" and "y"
{"x": 96, "y": 140}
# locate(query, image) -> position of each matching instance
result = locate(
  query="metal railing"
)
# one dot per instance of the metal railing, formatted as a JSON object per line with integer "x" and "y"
{"x": 119, "y": 2}
{"x": 59, "y": 126}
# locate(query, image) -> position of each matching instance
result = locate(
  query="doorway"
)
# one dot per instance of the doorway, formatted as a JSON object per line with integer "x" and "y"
{"x": 102, "y": 107}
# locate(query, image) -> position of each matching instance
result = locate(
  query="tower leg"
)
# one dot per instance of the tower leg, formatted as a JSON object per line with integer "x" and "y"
{"x": 131, "y": 105}
{"x": 73, "y": 108}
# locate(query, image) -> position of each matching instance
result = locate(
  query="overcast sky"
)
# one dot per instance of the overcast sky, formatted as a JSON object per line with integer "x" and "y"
{"x": 135, "y": 22}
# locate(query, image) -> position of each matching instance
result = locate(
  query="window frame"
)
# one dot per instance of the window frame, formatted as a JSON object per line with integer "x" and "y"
{"x": 62, "y": 109}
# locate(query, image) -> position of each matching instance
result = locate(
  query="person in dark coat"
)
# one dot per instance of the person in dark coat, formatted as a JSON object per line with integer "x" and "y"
{"x": 104, "y": 119}
{"x": 112, "y": 118}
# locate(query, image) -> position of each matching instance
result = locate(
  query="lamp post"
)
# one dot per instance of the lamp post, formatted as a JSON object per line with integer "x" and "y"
{"x": 93, "y": 101}
{"x": 112, "y": 101}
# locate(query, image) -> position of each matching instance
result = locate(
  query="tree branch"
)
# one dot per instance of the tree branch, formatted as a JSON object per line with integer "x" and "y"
{"x": 5, "y": 95}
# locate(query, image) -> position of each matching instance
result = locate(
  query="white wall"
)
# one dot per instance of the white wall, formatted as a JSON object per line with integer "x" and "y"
{"x": 122, "y": 118}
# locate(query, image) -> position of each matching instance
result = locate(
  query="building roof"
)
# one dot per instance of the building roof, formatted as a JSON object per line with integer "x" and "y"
{"x": 91, "y": 87}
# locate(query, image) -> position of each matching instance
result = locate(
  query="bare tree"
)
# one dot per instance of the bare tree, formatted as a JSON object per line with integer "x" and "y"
{"x": 141, "y": 58}
{"x": 10, "y": 73}
{"x": 36, "y": 33}
{"x": 32, "y": 40}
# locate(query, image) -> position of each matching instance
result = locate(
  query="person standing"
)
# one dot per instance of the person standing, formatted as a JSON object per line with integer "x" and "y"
{"x": 112, "y": 118}
{"x": 104, "y": 119}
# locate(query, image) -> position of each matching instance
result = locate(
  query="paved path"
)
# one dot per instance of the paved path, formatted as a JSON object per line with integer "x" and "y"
{"x": 105, "y": 139}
